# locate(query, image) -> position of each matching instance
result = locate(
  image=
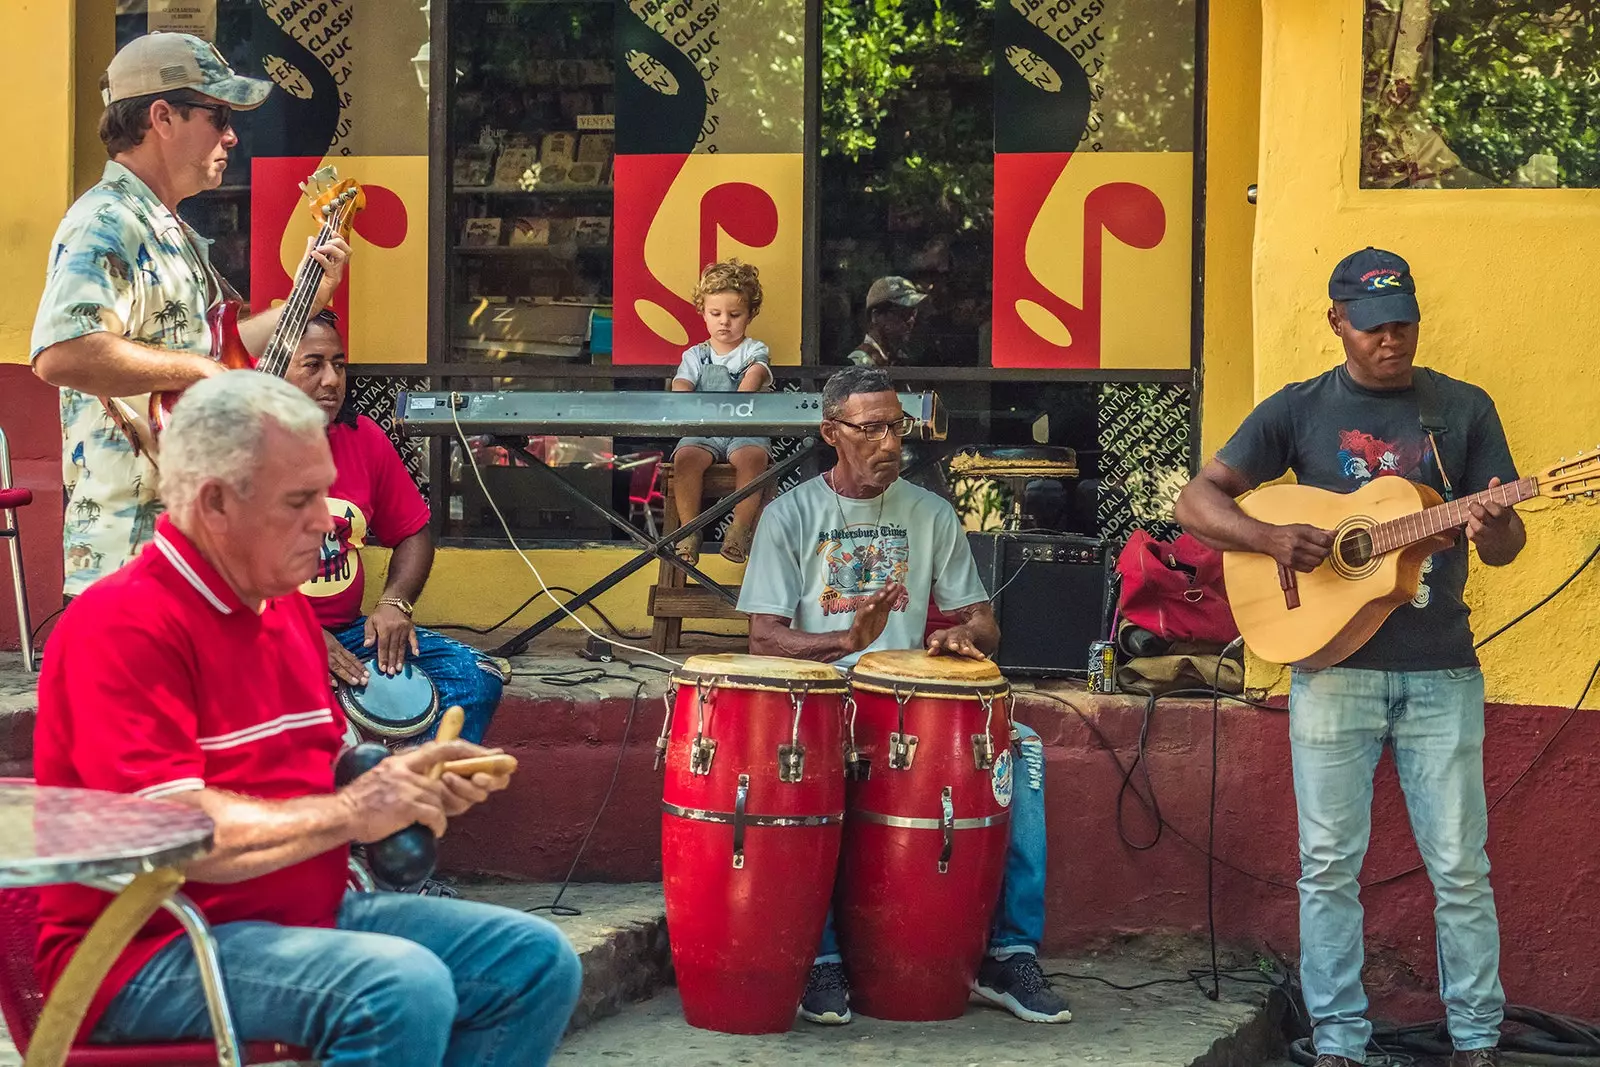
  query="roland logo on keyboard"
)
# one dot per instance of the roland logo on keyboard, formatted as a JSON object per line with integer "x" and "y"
{"x": 704, "y": 408}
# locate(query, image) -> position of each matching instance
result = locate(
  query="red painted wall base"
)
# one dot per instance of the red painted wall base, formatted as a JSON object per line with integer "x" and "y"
{"x": 1545, "y": 864}
{"x": 30, "y": 415}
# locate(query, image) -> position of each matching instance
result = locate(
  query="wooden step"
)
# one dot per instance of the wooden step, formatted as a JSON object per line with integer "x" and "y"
{"x": 691, "y": 602}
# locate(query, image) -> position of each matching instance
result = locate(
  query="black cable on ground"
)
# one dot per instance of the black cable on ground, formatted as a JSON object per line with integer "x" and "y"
{"x": 524, "y": 607}
{"x": 555, "y": 907}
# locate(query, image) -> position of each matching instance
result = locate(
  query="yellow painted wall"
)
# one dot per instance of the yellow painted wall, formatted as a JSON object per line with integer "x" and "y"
{"x": 482, "y": 586}
{"x": 36, "y": 169}
{"x": 1233, "y": 109}
{"x": 1506, "y": 283}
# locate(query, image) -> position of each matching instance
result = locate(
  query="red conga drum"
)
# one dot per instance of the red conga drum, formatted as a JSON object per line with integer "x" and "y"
{"x": 750, "y": 826}
{"x": 926, "y": 835}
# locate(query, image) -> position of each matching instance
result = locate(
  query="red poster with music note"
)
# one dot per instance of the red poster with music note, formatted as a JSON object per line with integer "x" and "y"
{"x": 1091, "y": 260}
{"x": 1092, "y": 218}
{"x": 708, "y": 167}
{"x": 383, "y": 305}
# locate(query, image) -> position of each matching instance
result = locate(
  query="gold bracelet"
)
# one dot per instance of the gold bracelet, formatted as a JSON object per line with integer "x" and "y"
{"x": 396, "y": 602}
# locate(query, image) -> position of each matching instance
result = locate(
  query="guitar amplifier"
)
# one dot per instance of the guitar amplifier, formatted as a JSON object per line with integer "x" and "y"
{"x": 1051, "y": 597}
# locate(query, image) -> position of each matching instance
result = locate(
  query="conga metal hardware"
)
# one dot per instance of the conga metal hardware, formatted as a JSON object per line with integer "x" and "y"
{"x": 742, "y": 795}
{"x": 792, "y": 757}
{"x": 948, "y": 824}
{"x": 902, "y": 746}
{"x": 856, "y": 769}
{"x": 670, "y": 697}
{"x": 983, "y": 744}
{"x": 702, "y": 749}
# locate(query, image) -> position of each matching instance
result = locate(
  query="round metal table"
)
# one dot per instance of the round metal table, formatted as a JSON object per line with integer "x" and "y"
{"x": 129, "y": 847}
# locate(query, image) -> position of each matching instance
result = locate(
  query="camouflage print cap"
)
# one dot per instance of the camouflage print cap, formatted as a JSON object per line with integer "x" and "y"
{"x": 894, "y": 290}
{"x": 161, "y": 62}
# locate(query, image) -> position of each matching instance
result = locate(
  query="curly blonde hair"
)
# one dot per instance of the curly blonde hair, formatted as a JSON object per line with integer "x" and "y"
{"x": 729, "y": 277}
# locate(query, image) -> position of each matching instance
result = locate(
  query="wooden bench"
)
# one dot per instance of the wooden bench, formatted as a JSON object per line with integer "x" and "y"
{"x": 673, "y": 598}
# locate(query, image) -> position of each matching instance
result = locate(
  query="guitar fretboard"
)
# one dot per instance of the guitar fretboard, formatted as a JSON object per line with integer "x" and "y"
{"x": 1441, "y": 518}
{"x": 297, "y": 309}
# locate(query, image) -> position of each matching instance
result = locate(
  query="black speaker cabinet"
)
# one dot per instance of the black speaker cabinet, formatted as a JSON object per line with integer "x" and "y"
{"x": 1052, "y": 598}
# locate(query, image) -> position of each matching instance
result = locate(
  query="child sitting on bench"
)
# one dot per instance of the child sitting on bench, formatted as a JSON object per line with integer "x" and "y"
{"x": 728, "y": 295}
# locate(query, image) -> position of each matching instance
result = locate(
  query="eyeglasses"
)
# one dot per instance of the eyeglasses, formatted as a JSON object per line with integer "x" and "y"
{"x": 877, "y": 431}
{"x": 221, "y": 114}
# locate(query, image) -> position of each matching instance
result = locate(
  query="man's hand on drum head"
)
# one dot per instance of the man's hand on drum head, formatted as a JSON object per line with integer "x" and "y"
{"x": 953, "y": 642}
{"x": 391, "y": 630}
{"x": 399, "y": 792}
{"x": 873, "y": 615}
{"x": 342, "y": 664}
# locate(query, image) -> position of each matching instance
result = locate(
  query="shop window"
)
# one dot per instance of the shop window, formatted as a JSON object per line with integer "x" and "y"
{"x": 1462, "y": 94}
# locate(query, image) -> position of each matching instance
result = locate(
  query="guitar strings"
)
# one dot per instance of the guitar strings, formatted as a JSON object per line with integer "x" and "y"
{"x": 298, "y": 306}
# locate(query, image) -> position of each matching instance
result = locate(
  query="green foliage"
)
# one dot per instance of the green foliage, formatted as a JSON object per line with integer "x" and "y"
{"x": 1515, "y": 79}
{"x": 878, "y": 58}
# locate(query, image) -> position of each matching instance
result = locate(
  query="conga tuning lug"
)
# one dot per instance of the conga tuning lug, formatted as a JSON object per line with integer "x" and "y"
{"x": 983, "y": 751}
{"x": 791, "y": 763}
{"x": 902, "y": 751}
{"x": 857, "y": 768}
{"x": 701, "y": 751}
{"x": 947, "y": 823}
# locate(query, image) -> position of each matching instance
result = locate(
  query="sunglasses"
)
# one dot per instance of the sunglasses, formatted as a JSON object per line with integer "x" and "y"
{"x": 221, "y": 114}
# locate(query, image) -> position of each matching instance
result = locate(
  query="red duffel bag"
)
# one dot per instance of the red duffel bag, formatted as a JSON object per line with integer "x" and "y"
{"x": 1175, "y": 590}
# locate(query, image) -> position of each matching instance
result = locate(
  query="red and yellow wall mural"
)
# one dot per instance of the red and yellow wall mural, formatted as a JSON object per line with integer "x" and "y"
{"x": 343, "y": 99}
{"x": 1093, "y": 215}
{"x": 708, "y": 166}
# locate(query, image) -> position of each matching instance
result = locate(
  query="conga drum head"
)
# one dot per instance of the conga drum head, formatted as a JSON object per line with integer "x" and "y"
{"x": 394, "y": 706}
{"x": 731, "y": 670}
{"x": 915, "y": 671}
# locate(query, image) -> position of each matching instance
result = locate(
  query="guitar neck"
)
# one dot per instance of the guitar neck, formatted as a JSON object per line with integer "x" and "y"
{"x": 1442, "y": 518}
{"x": 296, "y": 313}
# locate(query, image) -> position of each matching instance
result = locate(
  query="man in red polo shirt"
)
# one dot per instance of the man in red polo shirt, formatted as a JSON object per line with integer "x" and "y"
{"x": 198, "y": 674}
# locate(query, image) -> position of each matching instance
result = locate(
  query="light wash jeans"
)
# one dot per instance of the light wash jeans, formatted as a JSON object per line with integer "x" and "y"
{"x": 1339, "y": 720}
{"x": 405, "y": 981}
{"x": 463, "y": 675}
{"x": 1019, "y": 917}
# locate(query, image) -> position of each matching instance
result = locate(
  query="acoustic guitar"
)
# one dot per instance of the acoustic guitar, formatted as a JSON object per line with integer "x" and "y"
{"x": 1383, "y": 533}
{"x": 333, "y": 203}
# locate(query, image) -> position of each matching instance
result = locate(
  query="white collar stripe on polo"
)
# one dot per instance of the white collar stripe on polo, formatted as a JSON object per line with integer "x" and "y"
{"x": 183, "y": 567}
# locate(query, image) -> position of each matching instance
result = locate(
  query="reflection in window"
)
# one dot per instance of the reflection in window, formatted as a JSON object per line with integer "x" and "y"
{"x": 1480, "y": 93}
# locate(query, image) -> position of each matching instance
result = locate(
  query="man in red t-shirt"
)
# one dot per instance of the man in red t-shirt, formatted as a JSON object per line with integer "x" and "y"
{"x": 374, "y": 498}
{"x": 196, "y": 674}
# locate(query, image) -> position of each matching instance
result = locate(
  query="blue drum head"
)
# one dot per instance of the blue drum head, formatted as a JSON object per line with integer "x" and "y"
{"x": 392, "y": 706}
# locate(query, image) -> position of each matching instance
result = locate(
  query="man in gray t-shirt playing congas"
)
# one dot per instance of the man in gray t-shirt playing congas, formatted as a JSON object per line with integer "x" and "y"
{"x": 848, "y": 563}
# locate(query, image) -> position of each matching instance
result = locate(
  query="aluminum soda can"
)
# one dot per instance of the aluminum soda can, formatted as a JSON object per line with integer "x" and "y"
{"x": 1102, "y": 667}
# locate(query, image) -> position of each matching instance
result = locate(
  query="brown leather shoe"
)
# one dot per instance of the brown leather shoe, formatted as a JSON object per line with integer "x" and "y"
{"x": 1337, "y": 1061}
{"x": 1478, "y": 1057}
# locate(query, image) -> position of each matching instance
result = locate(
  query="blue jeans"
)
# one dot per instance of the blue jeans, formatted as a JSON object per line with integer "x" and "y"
{"x": 404, "y": 980}
{"x": 1018, "y": 924}
{"x": 462, "y": 674}
{"x": 1339, "y": 721}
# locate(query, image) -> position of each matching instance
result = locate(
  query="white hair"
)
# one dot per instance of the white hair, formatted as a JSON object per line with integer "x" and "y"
{"x": 217, "y": 430}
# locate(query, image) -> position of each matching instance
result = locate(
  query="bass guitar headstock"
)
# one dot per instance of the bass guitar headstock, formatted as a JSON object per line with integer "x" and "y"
{"x": 334, "y": 201}
{"x": 1569, "y": 478}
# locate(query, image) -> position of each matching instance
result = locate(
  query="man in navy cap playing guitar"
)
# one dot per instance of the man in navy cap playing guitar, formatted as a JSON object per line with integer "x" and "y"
{"x": 1415, "y": 685}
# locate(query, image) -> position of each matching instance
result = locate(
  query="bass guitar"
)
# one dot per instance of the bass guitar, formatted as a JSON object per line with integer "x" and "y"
{"x": 1382, "y": 535}
{"x": 333, "y": 203}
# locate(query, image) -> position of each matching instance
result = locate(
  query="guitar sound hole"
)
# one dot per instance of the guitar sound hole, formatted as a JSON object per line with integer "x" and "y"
{"x": 1355, "y": 549}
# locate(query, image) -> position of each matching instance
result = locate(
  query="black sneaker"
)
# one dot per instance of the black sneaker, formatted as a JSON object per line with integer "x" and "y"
{"x": 827, "y": 996}
{"x": 1018, "y": 985}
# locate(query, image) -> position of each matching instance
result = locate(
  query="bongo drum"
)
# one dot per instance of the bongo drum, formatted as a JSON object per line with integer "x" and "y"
{"x": 750, "y": 827}
{"x": 927, "y": 830}
{"x": 391, "y": 707}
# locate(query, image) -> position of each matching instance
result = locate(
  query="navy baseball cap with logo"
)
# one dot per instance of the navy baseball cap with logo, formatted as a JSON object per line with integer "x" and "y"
{"x": 1376, "y": 287}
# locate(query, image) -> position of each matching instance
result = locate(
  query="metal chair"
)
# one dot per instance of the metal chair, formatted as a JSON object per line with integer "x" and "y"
{"x": 21, "y": 1000}
{"x": 10, "y": 500}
